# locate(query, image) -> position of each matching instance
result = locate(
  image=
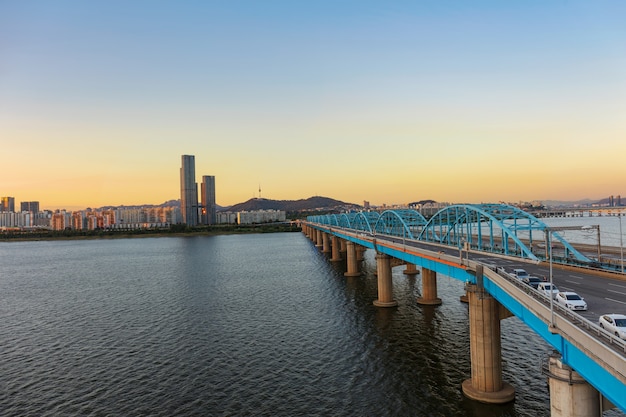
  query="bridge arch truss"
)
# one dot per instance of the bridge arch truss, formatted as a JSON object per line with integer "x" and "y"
{"x": 401, "y": 223}
{"x": 495, "y": 228}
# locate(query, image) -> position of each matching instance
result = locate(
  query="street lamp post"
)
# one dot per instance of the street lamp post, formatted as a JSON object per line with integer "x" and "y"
{"x": 549, "y": 244}
{"x": 621, "y": 245}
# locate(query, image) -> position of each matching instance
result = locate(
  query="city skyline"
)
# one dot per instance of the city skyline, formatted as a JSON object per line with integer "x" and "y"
{"x": 479, "y": 102}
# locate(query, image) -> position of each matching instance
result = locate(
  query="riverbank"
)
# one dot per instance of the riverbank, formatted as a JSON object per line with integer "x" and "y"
{"x": 175, "y": 231}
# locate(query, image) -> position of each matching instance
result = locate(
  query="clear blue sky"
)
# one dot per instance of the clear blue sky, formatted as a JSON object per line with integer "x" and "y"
{"x": 356, "y": 100}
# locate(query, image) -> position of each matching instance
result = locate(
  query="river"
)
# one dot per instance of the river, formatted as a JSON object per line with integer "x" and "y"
{"x": 235, "y": 325}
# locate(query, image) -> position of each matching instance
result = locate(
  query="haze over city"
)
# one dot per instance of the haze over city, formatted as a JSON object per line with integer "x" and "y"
{"x": 388, "y": 102}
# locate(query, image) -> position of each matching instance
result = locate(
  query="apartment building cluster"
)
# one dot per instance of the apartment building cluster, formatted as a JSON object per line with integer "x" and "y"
{"x": 27, "y": 217}
{"x": 126, "y": 218}
{"x": 251, "y": 217}
{"x": 116, "y": 219}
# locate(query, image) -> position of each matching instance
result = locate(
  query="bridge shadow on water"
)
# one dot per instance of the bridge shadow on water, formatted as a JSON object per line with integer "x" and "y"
{"x": 420, "y": 355}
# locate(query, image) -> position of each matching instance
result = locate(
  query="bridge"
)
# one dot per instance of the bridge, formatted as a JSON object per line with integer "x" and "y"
{"x": 470, "y": 243}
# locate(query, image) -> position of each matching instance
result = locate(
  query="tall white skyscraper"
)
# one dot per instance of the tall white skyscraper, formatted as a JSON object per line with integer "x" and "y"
{"x": 188, "y": 190}
{"x": 207, "y": 192}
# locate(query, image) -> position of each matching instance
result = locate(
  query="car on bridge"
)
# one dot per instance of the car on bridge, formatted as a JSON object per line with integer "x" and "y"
{"x": 547, "y": 289}
{"x": 571, "y": 300}
{"x": 614, "y": 323}
{"x": 519, "y": 273}
{"x": 532, "y": 281}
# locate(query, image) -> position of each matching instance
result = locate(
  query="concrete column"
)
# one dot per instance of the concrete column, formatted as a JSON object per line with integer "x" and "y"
{"x": 360, "y": 250}
{"x": 318, "y": 238}
{"x": 342, "y": 247}
{"x": 429, "y": 288}
{"x": 335, "y": 249}
{"x": 486, "y": 383}
{"x": 385, "y": 283}
{"x": 570, "y": 394}
{"x": 410, "y": 269}
{"x": 325, "y": 242}
{"x": 352, "y": 263}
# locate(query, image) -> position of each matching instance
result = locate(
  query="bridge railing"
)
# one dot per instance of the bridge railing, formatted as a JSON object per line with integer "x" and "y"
{"x": 587, "y": 336}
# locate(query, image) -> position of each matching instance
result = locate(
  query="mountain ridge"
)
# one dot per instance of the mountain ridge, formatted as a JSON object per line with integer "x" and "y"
{"x": 311, "y": 203}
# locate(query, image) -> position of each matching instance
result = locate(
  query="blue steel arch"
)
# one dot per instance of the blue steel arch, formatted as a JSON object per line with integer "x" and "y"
{"x": 325, "y": 219}
{"x": 333, "y": 220}
{"x": 402, "y": 223}
{"x": 455, "y": 224}
{"x": 364, "y": 220}
{"x": 345, "y": 219}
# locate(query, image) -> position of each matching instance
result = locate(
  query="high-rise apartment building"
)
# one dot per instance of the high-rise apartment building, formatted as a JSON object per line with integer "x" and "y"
{"x": 32, "y": 206}
{"x": 7, "y": 204}
{"x": 207, "y": 191}
{"x": 188, "y": 190}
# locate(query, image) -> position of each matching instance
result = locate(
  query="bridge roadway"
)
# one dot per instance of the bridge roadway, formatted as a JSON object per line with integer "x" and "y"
{"x": 595, "y": 354}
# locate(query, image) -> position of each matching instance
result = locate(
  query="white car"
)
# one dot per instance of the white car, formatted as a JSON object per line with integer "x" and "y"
{"x": 614, "y": 323}
{"x": 519, "y": 273}
{"x": 571, "y": 300}
{"x": 547, "y": 289}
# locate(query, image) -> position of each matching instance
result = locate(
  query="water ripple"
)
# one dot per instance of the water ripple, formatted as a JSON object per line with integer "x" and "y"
{"x": 257, "y": 325}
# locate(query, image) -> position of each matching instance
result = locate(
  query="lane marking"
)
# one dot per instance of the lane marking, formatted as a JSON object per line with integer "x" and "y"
{"x": 575, "y": 277}
{"x": 618, "y": 292}
{"x": 617, "y": 301}
{"x": 617, "y": 285}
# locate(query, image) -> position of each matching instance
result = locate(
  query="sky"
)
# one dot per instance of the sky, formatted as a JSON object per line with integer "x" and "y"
{"x": 389, "y": 102}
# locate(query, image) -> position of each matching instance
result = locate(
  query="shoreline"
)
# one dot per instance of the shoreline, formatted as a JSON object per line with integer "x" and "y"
{"x": 231, "y": 230}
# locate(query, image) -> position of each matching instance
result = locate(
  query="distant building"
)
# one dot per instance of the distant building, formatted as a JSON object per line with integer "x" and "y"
{"x": 188, "y": 190}
{"x": 226, "y": 217}
{"x": 32, "y": 206}
{"x": 260, "y": 216}
{"x": 7, "y": 204}
{"x": 61, "y": 220}
{"x": 207, "y": 192}
{"x": 78, "y": 220}
{"x": 9, "y": 220}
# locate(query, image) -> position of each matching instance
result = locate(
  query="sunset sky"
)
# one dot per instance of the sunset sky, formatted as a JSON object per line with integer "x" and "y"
{"x": 385, "y": 101}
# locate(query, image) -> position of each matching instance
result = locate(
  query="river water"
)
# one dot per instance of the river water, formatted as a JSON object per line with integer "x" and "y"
{"x": 238, "y": 325}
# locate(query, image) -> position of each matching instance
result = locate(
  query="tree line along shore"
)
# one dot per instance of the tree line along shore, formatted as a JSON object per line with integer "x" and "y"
{"x": 174, "y": 230}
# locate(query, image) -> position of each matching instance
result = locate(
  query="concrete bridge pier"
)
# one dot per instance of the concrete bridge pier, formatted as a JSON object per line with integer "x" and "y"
{"x": 385, "y": 283}
{"x": 325, "y": 242}
{"x": 334, "y": 245}
{"x": 360, "y": 250}
{"x": 411, "y": 269}
{"x": 486, "y": 383}
{"x": 342, "y": 246}
{"x": 351, "y": 261}
{"x": 429, "y": 288}
{"x": 570, "y": 394}
{"x": 318, "y": 238}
